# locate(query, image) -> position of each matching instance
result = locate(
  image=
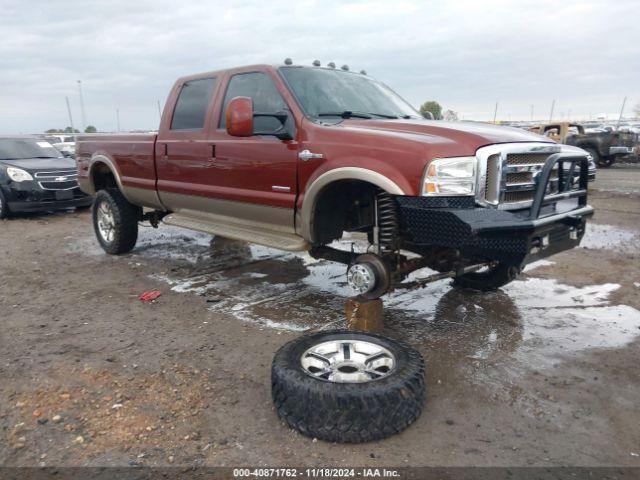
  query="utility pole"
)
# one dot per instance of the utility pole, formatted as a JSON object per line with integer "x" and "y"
{"x": 553, "y": 105}
{"x": 118, "y": 119}
{"x": 159, "y": 111}
{"x": 84, "y": 117}
{"x": 531, "y": 112}
{"x": 624, "y": 102}
{"x": 73, "y": 130}
{"x": 495, "y": 113}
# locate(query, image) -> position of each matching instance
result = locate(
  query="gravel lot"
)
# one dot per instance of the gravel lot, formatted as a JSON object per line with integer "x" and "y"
{"x": 543, "y": 372}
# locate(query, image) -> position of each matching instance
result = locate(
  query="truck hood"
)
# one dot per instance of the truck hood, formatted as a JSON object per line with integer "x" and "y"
{"x": 41, "y": 164}
{"x": 446, "y": 138}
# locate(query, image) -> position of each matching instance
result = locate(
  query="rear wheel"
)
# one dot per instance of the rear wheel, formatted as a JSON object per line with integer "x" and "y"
{"x": 492, "y": 278}
{"x": 115, "y": 221}
{"x": 4, "y": 208}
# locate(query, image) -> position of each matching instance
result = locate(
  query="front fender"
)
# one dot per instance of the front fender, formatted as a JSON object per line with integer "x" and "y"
{"x": 318, "y": 183}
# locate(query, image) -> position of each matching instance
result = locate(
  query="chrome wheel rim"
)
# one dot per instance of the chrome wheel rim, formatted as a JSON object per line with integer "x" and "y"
{"x": 106, "y": 222}
{"x": 348, "y": 361}
{"x": 361, "y": 278}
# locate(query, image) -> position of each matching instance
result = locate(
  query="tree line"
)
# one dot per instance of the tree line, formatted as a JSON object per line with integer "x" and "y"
{"x": 89, "y": 129}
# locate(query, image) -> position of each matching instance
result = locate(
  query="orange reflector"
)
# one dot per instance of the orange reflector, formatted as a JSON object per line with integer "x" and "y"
{"x": 431, "y": 187}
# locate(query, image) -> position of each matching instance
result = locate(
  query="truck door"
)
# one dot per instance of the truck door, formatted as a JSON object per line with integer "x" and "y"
{"x": 184, "y": 153}
{"x": 257, "y": 175}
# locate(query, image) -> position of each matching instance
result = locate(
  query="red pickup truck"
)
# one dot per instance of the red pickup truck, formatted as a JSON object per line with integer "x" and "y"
{"x": 293, "y": 156}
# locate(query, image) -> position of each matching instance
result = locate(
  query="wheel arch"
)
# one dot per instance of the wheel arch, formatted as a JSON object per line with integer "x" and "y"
{"x": 101, "y": 170}
{"x": 314, "y": 192}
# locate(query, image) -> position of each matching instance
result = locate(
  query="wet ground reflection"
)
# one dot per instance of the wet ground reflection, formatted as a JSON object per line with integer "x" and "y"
{"x": 535, "y": 321}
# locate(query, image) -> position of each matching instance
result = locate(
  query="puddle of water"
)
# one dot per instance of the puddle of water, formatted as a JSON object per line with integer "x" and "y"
{"x": 535, "y": 321}
{"x": 609, "y": 237}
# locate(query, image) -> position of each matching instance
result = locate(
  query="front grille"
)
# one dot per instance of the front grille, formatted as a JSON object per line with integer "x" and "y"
{"x": 59, "y": 185}
{"x": 527, "y": 158}
{"x": 511, "y": 177}
{"x": 58, "y": 180}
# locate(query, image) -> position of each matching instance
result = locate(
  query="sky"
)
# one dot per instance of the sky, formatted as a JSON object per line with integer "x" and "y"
{"x": 467, "y": 55}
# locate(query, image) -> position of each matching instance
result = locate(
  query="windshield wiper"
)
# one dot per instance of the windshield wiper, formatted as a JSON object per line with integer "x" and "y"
{"x": 384, "y": 115}
{"x": 345, "y": 114}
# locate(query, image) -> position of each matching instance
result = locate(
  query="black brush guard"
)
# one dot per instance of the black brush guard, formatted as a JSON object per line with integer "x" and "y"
{"x": 515, "y": 237}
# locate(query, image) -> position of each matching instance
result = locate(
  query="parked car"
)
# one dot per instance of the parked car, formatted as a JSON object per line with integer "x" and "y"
{"x": 293, "y": 156}
{"x": 65, "y": 143}
{"x": 34, "y": 176}
{"x": 605, "y": 146}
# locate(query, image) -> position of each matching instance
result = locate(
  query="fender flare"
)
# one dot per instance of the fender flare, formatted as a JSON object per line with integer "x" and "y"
{"x": 313, "y": 191}
{"x": 99, "y": 158}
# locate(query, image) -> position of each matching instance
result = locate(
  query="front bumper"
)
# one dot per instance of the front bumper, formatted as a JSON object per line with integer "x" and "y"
{"x": 552, "y": 223}
{"x": 30, "y": 197}
{"x": 621, "y": 150}
{"x": 488, "y": 234}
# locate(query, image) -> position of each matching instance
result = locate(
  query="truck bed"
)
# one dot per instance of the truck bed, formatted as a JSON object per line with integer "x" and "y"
{"x": 132, "y": 155}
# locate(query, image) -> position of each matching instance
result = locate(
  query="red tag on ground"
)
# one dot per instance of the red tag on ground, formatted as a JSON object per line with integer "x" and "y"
{"x": 150, "y": 295}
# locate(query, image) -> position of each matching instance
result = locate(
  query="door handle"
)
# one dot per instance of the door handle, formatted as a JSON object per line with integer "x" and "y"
{"x": 306, "y": 155}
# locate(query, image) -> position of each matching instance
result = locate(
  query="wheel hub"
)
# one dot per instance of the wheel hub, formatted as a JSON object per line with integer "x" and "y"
{"x": 361, "y": 278}
{"x": 106, "y": 222}
{"x": 348, "y": 361}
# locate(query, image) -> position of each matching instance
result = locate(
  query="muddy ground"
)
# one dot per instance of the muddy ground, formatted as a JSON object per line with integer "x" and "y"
{"x": 543, "y": 372}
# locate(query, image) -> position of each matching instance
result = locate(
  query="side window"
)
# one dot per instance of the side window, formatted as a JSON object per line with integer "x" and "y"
{"x": 263, "y": 92}
{"x": 193, "y": 102}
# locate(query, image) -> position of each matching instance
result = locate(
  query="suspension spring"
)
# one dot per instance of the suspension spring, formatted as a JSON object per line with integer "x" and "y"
{"x": 388, "y": 225}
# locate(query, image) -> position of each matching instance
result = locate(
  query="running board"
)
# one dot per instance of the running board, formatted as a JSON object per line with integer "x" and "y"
{"x": 219, "y": 225}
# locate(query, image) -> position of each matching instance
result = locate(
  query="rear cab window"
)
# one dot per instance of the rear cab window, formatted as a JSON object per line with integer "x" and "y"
{"x": 193, "y": 102}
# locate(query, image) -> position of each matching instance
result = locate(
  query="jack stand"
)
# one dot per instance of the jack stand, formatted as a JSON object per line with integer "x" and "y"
{"x": 364, "y": 315}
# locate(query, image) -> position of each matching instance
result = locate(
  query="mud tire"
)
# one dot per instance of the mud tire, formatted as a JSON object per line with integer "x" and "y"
{"x": 489, "y": 280}
{"x": 125, "y": 216}
{"x": 347, "y": 412}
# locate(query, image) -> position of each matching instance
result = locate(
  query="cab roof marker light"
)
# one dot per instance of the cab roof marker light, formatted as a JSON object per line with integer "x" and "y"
{"x": 331, "y": 65}
{"x": 316, "y": 63}
{"x": 288, "y": 61}
{"x": 345, "y": 68}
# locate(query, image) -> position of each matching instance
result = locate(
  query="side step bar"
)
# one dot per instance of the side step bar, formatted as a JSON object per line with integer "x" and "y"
{"x": 221, "y": 226}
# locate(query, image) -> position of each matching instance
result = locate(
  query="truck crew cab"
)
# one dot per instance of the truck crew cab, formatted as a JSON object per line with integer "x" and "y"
{"x": 293, "y": 157}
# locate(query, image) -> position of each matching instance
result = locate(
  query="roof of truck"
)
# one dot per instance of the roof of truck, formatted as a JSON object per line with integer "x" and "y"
{"x": 258, "y": 66}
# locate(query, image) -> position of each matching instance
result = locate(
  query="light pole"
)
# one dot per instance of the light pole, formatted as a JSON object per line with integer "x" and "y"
{"x": 73, "y": 130}
{"x": 84, "y": 117}
{"x": 118, "y": 119}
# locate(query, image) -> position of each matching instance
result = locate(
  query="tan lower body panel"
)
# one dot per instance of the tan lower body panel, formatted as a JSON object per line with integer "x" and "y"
{"x": 269, "y": 226}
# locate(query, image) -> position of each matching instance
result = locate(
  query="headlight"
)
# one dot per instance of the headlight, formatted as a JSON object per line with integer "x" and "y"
{"x": 18, "y": 175}
{"x": 450, "y": 176}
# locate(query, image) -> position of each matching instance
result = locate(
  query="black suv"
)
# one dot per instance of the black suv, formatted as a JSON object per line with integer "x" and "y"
{"x": 34, "y": 176}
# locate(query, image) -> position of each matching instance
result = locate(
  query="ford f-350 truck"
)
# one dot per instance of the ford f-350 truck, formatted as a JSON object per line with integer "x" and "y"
{"x": 293, "y": 156}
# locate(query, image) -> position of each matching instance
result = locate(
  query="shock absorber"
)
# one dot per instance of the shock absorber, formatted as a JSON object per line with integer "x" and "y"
{"x": 387, "y": 221}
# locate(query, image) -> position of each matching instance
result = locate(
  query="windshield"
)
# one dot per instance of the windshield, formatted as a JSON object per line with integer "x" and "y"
{"x": 21, "y": 148}
{"x": 335, "y": 93}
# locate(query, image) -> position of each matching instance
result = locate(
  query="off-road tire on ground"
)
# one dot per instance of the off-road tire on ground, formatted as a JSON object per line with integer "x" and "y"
{"x": 489, "y": 280}
{"x": 347, "y": 412}
{"x": 4, "y": 207}
{"x": 126, "y": 217}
